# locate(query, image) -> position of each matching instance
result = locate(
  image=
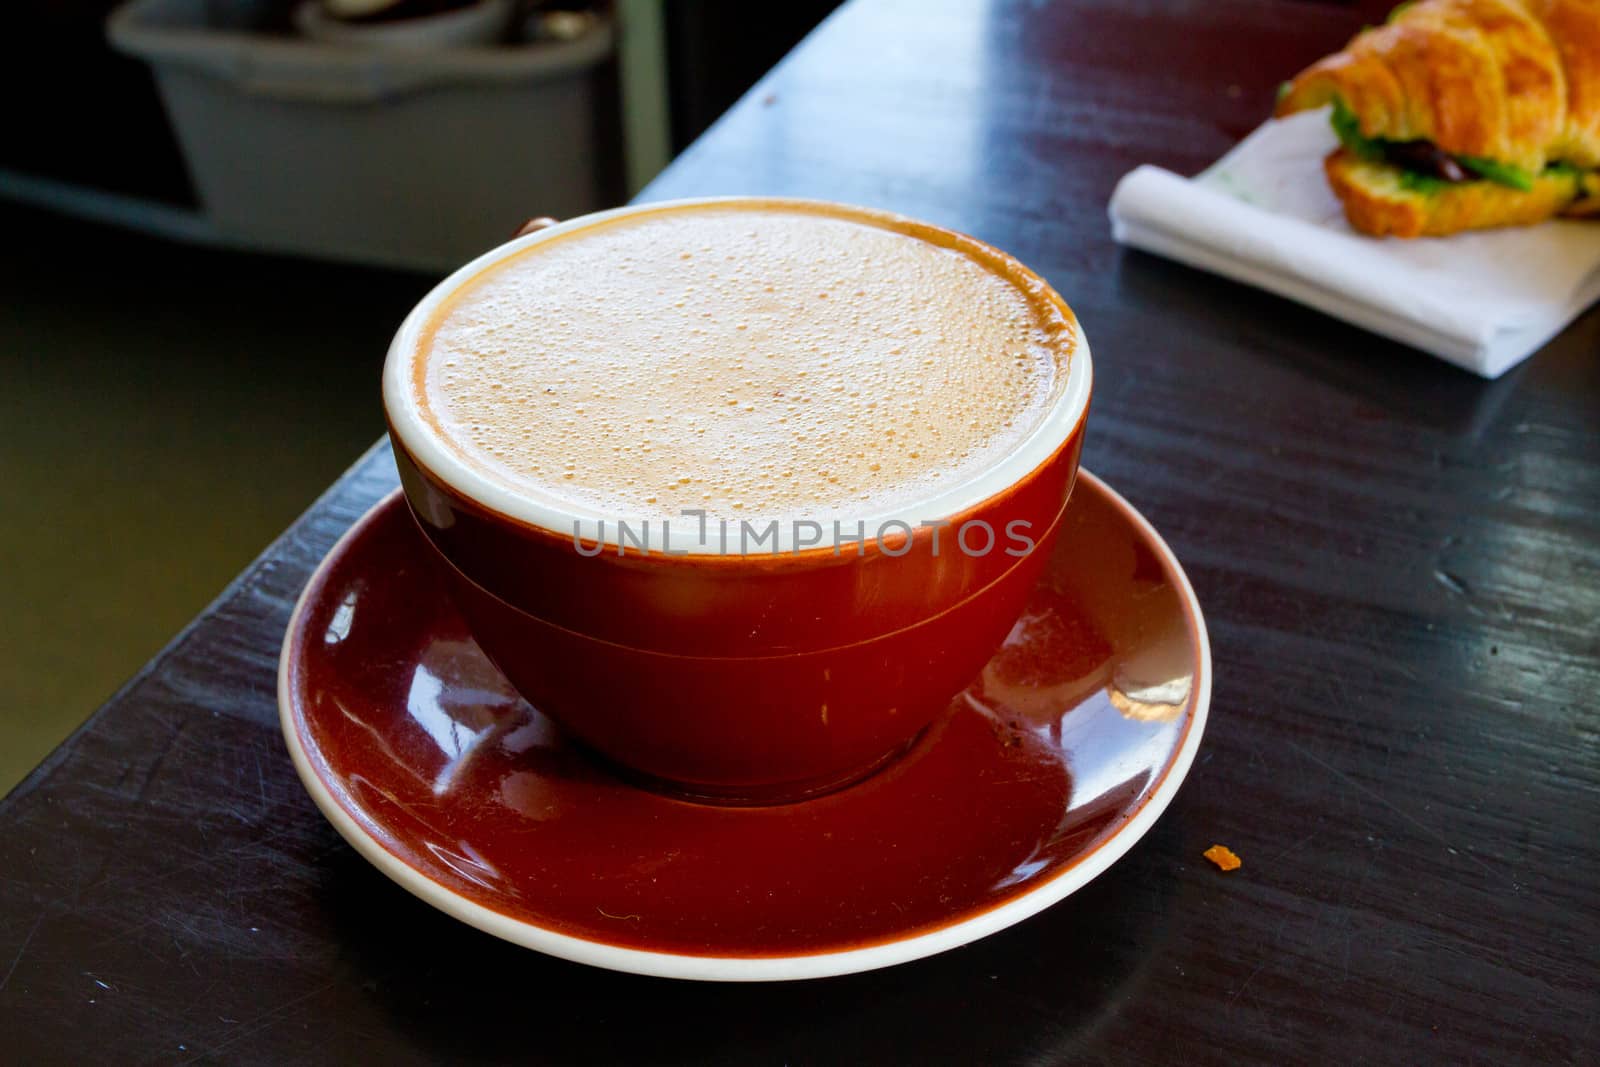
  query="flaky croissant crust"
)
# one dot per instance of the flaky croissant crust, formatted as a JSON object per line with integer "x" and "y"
{"x": 1515, "y": 81}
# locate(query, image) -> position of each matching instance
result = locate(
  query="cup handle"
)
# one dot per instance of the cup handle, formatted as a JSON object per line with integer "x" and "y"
{"x": 534, "y": 225}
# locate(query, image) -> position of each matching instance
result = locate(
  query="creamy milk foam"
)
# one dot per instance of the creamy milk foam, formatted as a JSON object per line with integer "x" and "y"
{"x": 762, "y": 361}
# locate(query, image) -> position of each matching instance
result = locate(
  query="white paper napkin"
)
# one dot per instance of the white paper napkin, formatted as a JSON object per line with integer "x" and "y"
{"x": 1263, "y": 214}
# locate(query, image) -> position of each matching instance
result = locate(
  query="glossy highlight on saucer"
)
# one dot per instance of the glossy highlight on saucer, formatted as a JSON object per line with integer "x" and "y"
{"x": 1032, "y": 781}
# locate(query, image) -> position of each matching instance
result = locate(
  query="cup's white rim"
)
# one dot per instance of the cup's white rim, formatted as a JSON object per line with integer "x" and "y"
{"x": 570, "y": 520}
{"x": 759, "y": 968}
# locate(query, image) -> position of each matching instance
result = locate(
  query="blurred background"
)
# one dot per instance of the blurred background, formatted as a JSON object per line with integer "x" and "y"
{"x": 217, "y": 212}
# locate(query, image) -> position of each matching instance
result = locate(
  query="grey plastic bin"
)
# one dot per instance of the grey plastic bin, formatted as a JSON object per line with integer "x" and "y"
{"x": 408, "y": 159}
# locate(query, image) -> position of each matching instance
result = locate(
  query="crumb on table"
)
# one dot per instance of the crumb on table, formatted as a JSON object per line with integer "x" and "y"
{"x": 1223, "y": 857}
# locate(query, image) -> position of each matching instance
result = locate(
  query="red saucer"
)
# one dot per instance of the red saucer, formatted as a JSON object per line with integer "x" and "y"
{"x": 1038, "y": 777}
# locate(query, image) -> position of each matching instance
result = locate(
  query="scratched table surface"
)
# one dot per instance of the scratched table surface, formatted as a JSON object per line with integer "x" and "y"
{"x": 1400, "y": 565}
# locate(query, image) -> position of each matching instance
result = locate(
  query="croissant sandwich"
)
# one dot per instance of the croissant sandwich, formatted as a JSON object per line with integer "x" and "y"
{"x": 1463, "y": 114}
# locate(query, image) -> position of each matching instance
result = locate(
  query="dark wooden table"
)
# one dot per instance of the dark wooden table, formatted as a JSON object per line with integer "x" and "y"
{"x": 1400, "y": 564}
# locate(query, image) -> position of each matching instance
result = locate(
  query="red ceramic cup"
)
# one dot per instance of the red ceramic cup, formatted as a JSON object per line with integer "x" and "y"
{"x": 747, "y": 677}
